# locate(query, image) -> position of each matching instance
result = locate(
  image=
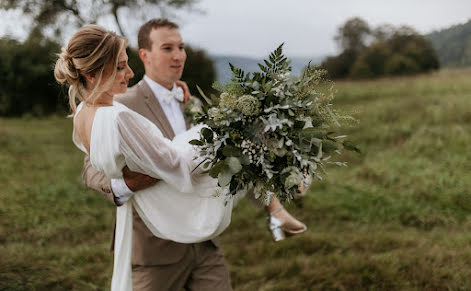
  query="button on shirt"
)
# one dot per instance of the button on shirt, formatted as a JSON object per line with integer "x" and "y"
{"x": 174, "y": 116}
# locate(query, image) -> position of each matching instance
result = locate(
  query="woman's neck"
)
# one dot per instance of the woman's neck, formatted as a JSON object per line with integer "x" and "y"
{"x": 104, "y": 100}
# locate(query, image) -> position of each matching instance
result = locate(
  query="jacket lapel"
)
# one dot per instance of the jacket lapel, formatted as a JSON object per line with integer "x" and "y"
{"x": 154, "y": 106}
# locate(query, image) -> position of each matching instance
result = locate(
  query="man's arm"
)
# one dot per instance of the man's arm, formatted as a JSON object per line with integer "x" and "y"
{"x": 96, "y": 180}
{"x": 99, "y": 182}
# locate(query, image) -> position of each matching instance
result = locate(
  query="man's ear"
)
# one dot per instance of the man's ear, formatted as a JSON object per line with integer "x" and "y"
{"x": 143, "y": 55}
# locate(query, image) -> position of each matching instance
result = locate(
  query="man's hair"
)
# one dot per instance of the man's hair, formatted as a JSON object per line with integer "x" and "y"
{"x": 143, "y": 37}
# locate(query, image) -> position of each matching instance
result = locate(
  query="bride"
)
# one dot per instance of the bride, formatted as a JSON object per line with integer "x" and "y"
{"x": 186, "y": 206}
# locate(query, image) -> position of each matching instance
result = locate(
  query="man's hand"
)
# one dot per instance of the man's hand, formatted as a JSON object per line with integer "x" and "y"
{"x": 137, "y": 181}
{"x": 186, "y": 90}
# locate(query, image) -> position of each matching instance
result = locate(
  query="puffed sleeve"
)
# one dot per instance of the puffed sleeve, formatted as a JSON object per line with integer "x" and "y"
{"x": 147, "y": 151}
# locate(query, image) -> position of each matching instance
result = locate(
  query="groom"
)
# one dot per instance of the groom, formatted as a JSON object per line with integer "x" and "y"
{"x": 159, "y": 264}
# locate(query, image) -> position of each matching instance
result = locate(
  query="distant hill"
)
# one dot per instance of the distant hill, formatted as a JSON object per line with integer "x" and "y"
{"x": 453, "y": 45}
{"x": 224, "y": 74}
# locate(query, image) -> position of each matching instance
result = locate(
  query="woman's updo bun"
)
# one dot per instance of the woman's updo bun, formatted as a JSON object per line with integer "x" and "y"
{"x": 91, "y": 50}
{"x": 65, "y": 71}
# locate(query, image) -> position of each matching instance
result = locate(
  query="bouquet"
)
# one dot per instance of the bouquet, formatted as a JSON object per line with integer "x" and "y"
{"x": 269, "y": 130}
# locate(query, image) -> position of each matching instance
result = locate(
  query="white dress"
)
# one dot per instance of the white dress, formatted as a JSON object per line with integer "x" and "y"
{"x": 185, "y": 207}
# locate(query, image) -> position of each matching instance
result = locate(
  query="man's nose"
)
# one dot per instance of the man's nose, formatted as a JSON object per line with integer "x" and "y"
{"x": 178, "y": 55}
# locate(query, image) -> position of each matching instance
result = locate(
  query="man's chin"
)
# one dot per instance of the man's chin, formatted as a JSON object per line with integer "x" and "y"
{"x": 177, "y": 77}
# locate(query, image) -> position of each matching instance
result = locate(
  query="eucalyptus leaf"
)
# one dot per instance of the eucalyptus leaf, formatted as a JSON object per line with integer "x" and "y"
{"x": 230, "y": 151}
{"x": 224, "y": 177}
{"x": 207, "y": 134}
{"x": 245, "y": 160}
{"x": 196, "y": 142}
{"x": 234, "y": 165}
{"x": 312, "y": 132}
{"x": 217, "y": 168}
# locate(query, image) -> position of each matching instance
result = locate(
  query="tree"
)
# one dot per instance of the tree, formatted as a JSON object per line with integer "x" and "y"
{"x": 27, "y": 82}
{"x": 409, "y": 43}
{"x": 453, "y": 45}
{"x": 55, "y": 14}
{"x": 199, "y": 70}
{"x": 353, "y": 35}
{"x": 370, "y": 63}
{"x": 339, "y": 66}
{"x": 391, "y": 51}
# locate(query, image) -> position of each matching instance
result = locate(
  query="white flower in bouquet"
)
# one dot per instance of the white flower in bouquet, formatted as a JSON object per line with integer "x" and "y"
{"x": 248, "y": 105}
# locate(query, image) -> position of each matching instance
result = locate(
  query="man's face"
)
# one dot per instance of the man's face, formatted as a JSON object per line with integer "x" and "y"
{"x": 165, "y": 61}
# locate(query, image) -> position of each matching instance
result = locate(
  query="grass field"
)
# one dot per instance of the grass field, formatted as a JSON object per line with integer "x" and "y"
{"x": 398, "y": 218}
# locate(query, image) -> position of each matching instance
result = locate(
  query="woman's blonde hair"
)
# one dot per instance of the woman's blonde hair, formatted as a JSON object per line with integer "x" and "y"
{"x": 92, "y": 50}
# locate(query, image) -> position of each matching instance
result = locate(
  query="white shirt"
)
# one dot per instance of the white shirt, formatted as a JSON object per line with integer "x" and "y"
{"x": 172, "y": 110}
{"x": 174, "y": 116}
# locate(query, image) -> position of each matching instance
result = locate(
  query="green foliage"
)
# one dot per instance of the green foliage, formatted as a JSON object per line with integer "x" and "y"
{"x": 28, "y": 87}
{"x": 453, "y": 45}
{"x": 338, "y": 67}
{"x": 56, "y": 14}
{"x": 370, "y": 63}
{"x": 258, "y": 122}
{"x": 353, "y": 34}
{"x": 393, "y": 51}
{"x": 27, "y": 83}
{"x": 136, "y": 65}
{"x": 199, "y": 70}
{"x": 399, "y": 64}
{"x": 276, "y": 63}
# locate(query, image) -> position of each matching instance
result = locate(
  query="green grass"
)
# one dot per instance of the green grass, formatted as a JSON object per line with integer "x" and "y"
{"x": 398, "y": 218}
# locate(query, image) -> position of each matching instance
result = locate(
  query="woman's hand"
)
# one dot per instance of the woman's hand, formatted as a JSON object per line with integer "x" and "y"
{"x": 186, "y": 90}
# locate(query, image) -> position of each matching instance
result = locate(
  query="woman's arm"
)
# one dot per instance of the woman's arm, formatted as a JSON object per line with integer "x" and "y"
{"x": 147, "y": 151}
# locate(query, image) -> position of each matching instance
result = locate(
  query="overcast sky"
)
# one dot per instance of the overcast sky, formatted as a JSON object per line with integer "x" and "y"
{"x": 256, "y": 27}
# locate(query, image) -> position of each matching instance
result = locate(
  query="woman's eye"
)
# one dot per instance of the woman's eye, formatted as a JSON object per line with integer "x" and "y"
{"x": 120, "y": 68}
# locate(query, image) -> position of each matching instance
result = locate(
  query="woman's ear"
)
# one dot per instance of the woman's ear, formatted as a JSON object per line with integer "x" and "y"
{"x": 90, "y": 78}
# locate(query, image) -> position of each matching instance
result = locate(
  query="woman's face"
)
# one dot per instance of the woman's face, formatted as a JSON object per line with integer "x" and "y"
{"x": 123, "y": 74}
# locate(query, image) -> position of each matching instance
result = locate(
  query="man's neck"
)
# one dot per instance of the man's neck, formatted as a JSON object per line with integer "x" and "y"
{"x": 168, "y": 86}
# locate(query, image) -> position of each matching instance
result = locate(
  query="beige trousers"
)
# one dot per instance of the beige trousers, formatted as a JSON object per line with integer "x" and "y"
{"x": 203, "y": 267}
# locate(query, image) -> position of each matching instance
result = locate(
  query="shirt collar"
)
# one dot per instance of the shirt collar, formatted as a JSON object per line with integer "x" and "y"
{"x": 156, "y": 88}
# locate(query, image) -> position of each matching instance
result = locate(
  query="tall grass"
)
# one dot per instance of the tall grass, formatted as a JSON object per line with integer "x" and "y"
{"x": 398, "y": 218}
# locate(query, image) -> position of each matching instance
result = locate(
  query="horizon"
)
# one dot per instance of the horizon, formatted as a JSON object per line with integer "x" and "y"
{"x": 307, "y": 29}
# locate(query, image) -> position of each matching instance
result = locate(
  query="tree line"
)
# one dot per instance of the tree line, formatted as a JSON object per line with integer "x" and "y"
{"x": 453, "y": 45}
{"x": 27, "y": 84}
{"x": 369, "y": 52}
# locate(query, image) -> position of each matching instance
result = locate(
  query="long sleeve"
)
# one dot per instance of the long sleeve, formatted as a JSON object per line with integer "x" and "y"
{"x": 146, "y": 150}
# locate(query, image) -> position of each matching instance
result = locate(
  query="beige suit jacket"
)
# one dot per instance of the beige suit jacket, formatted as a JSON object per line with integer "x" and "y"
{"x": 147, "y": 249}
